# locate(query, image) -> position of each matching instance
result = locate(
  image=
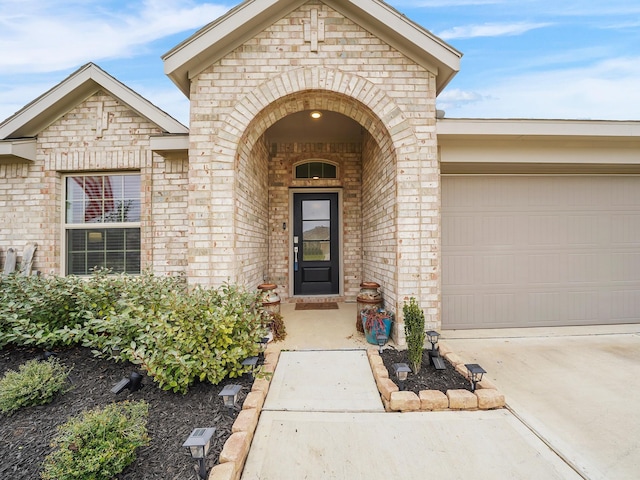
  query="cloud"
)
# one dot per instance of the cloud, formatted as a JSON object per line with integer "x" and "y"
{"x": 53, "y": 36}
{"x": 490, "y": 30}
{"x": 606, "y": 90}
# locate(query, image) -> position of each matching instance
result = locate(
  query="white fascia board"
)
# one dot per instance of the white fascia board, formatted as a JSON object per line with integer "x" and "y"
{"x": 215, "y": 40}
{"x": 25, "y": 122}
{"x": 54, "y": 103}
{"x": 408, "y": 37}
{"x": 139, "y": 104}
{"x": 537, "y": 128}
{"x": 212, "y": 42}
{"x": 24, "y": 149}
{"x": 169, "y": 143}
{"x": 376, "y": 12}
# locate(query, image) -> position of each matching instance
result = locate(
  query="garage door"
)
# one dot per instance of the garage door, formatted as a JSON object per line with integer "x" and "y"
{"x": 522, "y": 251}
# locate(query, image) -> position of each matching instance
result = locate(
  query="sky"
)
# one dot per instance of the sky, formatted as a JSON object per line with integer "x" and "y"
{"x": 550, "y": 59}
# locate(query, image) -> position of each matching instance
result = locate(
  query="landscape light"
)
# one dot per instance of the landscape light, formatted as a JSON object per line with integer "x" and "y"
{"x": 432, "y": 336}
{"x": 475, "y": 374}
{"x": 434, "y": 353}
{"x": 401, "y": 371}
{"x": 133, "y": 383}
{"x": 229, "y": 395}
{"x": 263, "y": 343}
{"x": 382, "y": 340}
{"x": 251, "y": 362}
{"x": 197, "y": 444}
{"x": 46, "y": 356}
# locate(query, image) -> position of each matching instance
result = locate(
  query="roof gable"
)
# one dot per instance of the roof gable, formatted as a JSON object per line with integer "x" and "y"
{"x": 243, "y": 22}
{"x": 76, "y": 88}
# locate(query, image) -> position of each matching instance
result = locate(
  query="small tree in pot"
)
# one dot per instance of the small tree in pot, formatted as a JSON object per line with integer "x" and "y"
{"x": 414, "y": 332}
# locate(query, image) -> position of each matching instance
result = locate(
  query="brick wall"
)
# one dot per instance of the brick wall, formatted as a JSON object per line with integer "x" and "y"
{"x": 352, "y": 72}
{"x": 98, "y": 135}
{"x": 348, "y": 158}
{"x": 251, "y": 216}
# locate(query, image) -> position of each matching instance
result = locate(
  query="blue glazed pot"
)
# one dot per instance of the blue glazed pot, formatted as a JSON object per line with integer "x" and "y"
{"x": 371, "y": 335}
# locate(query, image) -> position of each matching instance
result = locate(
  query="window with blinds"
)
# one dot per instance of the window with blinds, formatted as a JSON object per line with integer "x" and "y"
{"x": 102, "y": 223}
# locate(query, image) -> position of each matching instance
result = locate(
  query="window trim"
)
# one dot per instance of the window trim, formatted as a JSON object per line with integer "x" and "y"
{"x": 315, "y": 160}
{"x": 64, "y": 226}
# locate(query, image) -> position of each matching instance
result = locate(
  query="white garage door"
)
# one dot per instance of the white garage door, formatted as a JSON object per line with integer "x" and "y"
{"x": 540, "y": 250}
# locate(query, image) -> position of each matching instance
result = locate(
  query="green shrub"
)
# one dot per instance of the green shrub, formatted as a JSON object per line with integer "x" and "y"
{"x": 202, "y": 336}
{"x": 98, "y": 444}
{"x": 33, "y": 308}
{"x": 414, "y": 332}
{"x": 35, "y": 383}
{"x": 177, "y": 335}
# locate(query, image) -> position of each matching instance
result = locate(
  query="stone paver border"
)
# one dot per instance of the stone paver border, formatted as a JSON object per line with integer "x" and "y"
{"x": 486, "y": 396}
{"x": 236, "y": 448}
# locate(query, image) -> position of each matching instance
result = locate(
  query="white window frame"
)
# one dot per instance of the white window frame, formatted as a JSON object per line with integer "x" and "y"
{"x": 65, "y": 227}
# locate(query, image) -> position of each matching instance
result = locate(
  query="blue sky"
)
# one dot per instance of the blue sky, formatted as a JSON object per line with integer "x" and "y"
{"x": 577, "y": 59}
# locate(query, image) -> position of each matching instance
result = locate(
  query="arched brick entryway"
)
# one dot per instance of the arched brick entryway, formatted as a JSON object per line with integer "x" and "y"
{"x": 395, "y": 164}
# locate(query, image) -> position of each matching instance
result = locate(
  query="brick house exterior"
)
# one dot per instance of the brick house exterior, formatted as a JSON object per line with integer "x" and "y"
{"x": 216, "y": 199}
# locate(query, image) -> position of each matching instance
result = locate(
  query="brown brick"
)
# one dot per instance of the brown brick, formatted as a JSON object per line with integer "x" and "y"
{"x": 403, "y": 401}
{"x": 489, "y": 399}
{"x": 433, "y": 400}
{"x": 246, "y": 421}
{"x": 260, "y": 385}
{"x": 235, "y": 449}
{"x": 224, "y": 471}
{"x": 254, "y": 399}
{"x": 386, "y": 387}
{"x": 380, "y": 371}
{"x": 462, "y": 400}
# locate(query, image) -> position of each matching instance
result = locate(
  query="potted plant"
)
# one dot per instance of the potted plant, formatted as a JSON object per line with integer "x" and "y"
{"x": 376, "y": 322}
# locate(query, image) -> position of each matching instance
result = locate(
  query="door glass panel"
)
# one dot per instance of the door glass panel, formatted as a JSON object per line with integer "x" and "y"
{"x": 316, "y": 210}
{"x": 316, "y": 230}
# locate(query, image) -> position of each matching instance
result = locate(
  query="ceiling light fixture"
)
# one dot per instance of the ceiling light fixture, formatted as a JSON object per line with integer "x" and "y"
{"x": 316, "y": 114}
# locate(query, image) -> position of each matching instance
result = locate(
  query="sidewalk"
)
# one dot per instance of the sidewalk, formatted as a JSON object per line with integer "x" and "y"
{"x": 578, "y": 388}
{"x": 323, "y": 419}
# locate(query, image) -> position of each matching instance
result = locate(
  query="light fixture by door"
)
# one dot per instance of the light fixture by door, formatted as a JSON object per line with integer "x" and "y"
{"x": 316, "y": 114}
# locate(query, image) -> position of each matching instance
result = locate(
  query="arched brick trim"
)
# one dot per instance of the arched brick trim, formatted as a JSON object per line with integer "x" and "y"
{"x": 323, "y": 89}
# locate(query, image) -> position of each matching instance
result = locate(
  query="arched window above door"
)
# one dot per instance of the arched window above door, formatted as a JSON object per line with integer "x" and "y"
{"x": 316, "y": 169}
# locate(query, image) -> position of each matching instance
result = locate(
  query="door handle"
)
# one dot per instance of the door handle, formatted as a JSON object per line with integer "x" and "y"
{"x": 295, "y": 259}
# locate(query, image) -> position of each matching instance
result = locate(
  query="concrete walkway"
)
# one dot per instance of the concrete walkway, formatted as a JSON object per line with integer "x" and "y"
{"x": 323, "y": 419}
{"x": 578, "y": 388}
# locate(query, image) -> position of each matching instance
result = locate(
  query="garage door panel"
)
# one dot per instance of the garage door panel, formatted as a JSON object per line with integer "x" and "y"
{"x": 625, "y": 305}
{"x": 538, "y": 251}
{"x": 542, "y": 269}
{"x": 626, "y": 265}
{"x": 625, "y": 228}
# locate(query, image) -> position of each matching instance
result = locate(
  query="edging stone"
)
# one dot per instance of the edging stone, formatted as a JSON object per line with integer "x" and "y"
{"x": 235, "y": 450}
{"x": 486, "y": 396}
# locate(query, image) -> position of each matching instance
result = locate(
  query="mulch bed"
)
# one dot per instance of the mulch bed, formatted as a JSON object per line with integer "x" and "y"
{"x": 428, "y": 378}
{"x": 25, "y": 436}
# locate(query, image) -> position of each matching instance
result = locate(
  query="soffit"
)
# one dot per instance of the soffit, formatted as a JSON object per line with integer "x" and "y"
{"x": 80, "y": 85}
{"x": 22, "y": 150}
{"x": 240, "y": 24}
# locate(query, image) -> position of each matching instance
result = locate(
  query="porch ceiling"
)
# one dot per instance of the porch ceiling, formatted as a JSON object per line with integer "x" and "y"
{"x": 300, "y": 127}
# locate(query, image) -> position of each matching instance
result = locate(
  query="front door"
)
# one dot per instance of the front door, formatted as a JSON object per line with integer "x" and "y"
{"x": 316, "y": 255}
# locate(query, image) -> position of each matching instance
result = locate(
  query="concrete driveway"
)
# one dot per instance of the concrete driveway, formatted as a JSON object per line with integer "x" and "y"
{"x": 577, "y": 388}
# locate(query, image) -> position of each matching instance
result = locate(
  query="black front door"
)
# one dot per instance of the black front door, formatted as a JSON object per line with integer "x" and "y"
{"x": 316, "y": 255}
